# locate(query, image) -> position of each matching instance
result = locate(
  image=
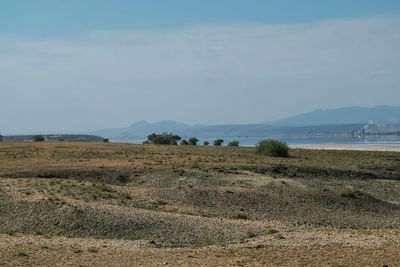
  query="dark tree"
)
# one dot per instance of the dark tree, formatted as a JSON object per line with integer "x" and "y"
{"x": 163, "y": 139}
{"x": 38, "y": 138}
{"x": 218, "y": 142}
{"x": 184, "y": 142}
{"x": 193, "y": 141}
{"x": 206, "y": 143}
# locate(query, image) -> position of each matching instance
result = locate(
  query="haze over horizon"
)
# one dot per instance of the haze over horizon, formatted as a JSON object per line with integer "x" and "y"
{"x": 79, "y": 66}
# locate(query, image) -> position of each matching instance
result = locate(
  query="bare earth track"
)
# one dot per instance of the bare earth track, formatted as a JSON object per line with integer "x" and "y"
{"x": 88, "y": 204}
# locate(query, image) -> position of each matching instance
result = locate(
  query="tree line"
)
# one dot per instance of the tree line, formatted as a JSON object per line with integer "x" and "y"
{"x": 172, "y": 139}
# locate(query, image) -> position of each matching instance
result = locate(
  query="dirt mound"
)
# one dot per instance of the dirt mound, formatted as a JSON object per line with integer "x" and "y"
{"x": 282, "y": 202}
{"x": 101, "y": 175}
{"x": 312, "y": 171}
{"x": 57, "y": 218}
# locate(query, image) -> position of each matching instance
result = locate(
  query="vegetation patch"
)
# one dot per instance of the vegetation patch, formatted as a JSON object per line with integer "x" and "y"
{"x": 233, "y": 143}
{"x": 239, "y": 216}
{"x": 272, "y": 148}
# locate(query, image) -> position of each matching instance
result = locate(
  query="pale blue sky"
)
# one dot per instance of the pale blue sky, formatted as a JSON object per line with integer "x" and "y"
{"x": 77, "y": 65}
{"x": 59, "y": 18}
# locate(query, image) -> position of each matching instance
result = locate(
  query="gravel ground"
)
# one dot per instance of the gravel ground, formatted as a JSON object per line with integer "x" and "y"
{"x": 69, "y": 204}
{"x": 301, "y": 247}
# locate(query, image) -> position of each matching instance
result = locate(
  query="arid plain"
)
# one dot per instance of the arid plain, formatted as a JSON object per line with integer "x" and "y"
{"x": 111, "y": 204}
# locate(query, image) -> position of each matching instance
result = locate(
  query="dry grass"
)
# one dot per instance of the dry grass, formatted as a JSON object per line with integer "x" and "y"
{"x": 226, "y": 204}
{"x": 16, "y": 157}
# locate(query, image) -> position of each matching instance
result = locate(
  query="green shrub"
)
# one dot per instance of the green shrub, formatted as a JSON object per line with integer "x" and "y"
{"x": 1, "y": 138}
{"x": 184, "y": 142}
{"x": 239, "y": 216}
{"x": 106, "y": 140}
{"x": 271, "y": 231}
{"x": 163, "y": 139}
{"x": 251, "y": 234}
{"x": 193, "y": 141}
{"x": 272, "y": 148}
{"x": 233, "y": 143}
{"x": 206, "y": 143}
{"x": 38, "y": 138}
{"x": 347, "y": 192}
{"x": 218, "y": 142}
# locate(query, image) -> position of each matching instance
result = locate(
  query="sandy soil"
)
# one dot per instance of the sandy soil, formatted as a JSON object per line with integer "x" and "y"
{"x": 360, "y": 147}
{"x": 306, "y": 247}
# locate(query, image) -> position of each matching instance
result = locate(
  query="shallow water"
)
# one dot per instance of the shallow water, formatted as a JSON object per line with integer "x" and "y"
{"x": 252, "y": 141}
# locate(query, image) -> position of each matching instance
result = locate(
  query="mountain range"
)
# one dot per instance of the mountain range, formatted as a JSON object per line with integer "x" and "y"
{"x": 346, "y": 115}
{"x": 340, "y": 121}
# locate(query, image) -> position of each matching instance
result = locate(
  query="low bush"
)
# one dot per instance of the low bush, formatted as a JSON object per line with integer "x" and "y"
{"x": 347, "y": 192}
{"x": 163, "y": 139}
{"x": 271, "y": 231}
{"x": 233, "y": 143}
{"x": 239, "y": 216}
{"x": 218, "y": 142}
{"x": 193, "y": 141}
{"x": 38, "y": 138}
{"x": 184, "y": 142}
{"x": 272, "y": 148}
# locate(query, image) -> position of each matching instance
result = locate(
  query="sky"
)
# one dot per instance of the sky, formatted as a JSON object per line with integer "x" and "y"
{"x": 80, "y": 65}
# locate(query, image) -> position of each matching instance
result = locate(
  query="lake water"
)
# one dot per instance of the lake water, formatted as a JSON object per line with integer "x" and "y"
{"x": 252, "y": 141}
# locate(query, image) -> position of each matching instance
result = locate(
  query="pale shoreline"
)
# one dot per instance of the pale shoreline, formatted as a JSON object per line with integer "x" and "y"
{"x": 361, "y": 147}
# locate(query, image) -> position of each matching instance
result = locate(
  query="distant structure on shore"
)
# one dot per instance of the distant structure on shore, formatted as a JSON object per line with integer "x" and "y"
{"x": 377, "y": 129}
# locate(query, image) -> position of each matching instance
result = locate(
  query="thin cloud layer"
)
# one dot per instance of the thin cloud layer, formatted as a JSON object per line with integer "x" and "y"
{"x": 208, "y": 74}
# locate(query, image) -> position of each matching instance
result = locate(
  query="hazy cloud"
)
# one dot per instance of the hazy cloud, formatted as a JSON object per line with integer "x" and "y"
{"x": 208, "y": 74}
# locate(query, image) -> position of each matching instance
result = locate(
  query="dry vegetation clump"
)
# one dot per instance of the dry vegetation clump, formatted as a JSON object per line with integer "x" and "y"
{"x": 272, "y": 148}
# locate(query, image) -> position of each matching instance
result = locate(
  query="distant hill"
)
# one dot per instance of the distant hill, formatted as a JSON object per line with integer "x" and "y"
{"x": 347, "y": 115}
{"x": 142, "y": 129}
{"x": 55, "y": 137}
{"x": 335, "y": 122}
